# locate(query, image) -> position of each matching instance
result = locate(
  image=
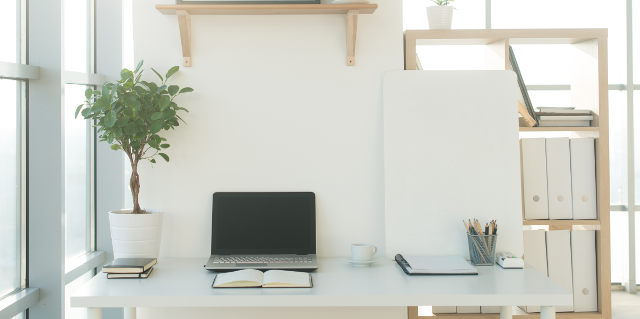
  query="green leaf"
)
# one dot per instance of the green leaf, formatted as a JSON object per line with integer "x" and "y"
{"x": 164, "y": 145}
{"x": 126, "y": 74}
{"x": 172, "y": 71}
{"x": 165, "y": 156}
{"x": 138, "y": 66}
{"x": 86, "y": 112}
{"x": 158, "y": 74}
{"x": 110, "y": 119}
{"x": 155, "y": 127}
{"x": 186, "y": 90}
{"x": 78, "y": 109}
{"x": 173, "y": 89}
{"x": 116, "y": 147}
{"x": 164, "y": 102}
{"x": 88, "y": 93}
{"x": 152, "y": 161}
{"x": 156, "y": 116}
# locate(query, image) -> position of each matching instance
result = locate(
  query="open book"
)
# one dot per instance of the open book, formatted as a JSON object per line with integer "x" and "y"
{"x": 269, "y": 279}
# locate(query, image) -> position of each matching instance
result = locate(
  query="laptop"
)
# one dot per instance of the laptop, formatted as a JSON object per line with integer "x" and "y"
{"x": 263, "y": 231}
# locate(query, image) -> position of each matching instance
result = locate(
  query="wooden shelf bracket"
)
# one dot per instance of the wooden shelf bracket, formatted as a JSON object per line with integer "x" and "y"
{"x": 352, "y": 30}
{"x": 184, "y": 23}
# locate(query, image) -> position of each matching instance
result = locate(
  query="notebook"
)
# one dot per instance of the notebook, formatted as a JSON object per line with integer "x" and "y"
{"x": 248, "y": 278}
{"x": 129, "y": 265}
{"x": 130, "y": 275}
{"x": 435, "y": 265}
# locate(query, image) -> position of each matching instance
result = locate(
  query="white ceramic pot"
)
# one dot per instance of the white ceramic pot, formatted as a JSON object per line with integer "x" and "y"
{"x": 135, "y": 235}
{"x": 440, "y": 17}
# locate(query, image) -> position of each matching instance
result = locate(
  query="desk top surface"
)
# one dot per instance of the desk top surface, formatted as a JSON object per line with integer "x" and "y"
{"x": 185, "y": 283}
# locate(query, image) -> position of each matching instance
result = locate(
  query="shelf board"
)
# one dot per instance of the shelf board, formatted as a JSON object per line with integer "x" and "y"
{"x": 253, "y": 9}
{"x": 560, "y": 129}
{"x": 185, "y": 11}
{"x": 559, "y": 315}
{"x": 561, "y": 222}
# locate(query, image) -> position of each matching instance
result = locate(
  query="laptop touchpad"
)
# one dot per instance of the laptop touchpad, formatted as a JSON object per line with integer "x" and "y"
{"x": 251, "y": 265}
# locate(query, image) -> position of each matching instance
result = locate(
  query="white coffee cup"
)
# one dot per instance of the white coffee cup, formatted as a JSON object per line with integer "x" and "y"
{"x": 362, "y": 252}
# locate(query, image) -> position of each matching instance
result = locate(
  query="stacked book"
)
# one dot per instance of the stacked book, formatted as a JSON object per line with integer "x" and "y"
{"x": 563, "y": 116}
{"x": 129, "y": 268}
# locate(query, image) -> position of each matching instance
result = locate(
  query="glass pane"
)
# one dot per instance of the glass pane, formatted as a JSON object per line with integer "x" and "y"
{"x": 544, "y": 63}
{"x": 636, "y": 43}
{"x": 550, "y": 97}
{"x": 452, "y": 57}
{"x": 468, "y": 14}
{"x": 76, "y": 175}
{"x": 76, "y": 35}
{"x": 569, "y": 14}
{"x": 619, "y": 247}
{"x": 75, "y": 313}
{"x": 618, "y": 147}
{"x": 8, "y": 30}
{"x": 9, "y": 188}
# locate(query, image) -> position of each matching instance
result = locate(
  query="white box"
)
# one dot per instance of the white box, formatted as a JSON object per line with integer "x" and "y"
{"x": 534, "y": 178}
{"x": 535, "y": 255}
{"x": 559, "y": 178}
{"x": 585, "y": 283}
{"x": 559, "y": 261}
{"x": 583, "y": 178}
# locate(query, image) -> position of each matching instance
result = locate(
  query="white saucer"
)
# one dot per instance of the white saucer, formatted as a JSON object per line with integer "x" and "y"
{"x": 361, "y": 262}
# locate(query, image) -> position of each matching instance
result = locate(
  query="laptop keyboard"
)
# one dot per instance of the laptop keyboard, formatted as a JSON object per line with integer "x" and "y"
{"x": 262, "y": 259}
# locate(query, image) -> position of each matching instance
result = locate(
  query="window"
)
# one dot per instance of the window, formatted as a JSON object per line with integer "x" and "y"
{"x": 77, "y": 174}
{"x": 11, "y": 150}
{"x": 9, "y": 187}
{"x": 78, "y": 169}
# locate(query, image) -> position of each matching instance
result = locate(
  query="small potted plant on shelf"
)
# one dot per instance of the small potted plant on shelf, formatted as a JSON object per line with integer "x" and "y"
{"x": 131, "y": 114}
{"x": 440, "y": 15}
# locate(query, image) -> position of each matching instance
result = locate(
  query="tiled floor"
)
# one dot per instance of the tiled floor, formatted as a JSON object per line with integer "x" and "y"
{"x": 625, "y": 306}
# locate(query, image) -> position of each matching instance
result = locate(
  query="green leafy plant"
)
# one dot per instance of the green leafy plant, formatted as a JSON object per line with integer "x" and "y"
{"x": 442, "y": 3}
{"x": 130, "y": 114}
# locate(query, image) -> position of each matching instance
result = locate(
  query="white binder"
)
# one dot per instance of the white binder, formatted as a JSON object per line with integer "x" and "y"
{"x": 559, "y": 178}
{"x": 583, "y": 176}
{"x": 534, "y": 178}
{"x": 559, "y": 261}
{"x": 444, "y": 309}
{"x": 468, "y": 309}
{"x": 535, "y": 255}
{"x": 585, "y": 286}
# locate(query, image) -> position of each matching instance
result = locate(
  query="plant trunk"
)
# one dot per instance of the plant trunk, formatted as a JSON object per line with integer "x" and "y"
{"x": 134, "y": 184}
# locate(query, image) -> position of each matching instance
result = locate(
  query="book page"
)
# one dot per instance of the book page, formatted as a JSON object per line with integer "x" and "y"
{"x": 240, "y": 278}
{"x": 284, "y": 278}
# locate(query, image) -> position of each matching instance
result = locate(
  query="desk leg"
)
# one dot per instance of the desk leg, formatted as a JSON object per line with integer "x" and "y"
{"x": 548, "y": 312}
{"x": 129, "y": 313}
{"x": 94, "y": 313}
{"x": 506, "y": 312}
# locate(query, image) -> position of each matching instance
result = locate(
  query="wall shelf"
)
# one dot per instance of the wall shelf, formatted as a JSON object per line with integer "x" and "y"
{"x": 185, "y": 11}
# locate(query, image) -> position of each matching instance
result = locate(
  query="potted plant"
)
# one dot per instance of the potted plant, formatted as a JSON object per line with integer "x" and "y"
{"x": 440, "y": 15}
{"x": 131, "y": 114}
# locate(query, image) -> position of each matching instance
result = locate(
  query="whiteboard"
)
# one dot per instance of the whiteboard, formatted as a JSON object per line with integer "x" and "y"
{"x": 451, "y": 152}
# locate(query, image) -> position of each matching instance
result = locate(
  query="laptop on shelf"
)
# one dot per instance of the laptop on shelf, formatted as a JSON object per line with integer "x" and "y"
{"x": 266, "y": 230}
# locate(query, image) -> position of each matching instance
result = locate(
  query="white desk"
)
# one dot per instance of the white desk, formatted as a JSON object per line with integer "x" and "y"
{"x": 184, "y": 283}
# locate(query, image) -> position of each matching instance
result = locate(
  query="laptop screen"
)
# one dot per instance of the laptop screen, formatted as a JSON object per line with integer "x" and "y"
{"x": 263, "y": 223}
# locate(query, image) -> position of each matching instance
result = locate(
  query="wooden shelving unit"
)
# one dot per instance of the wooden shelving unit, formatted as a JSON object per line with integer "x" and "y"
{"x": 185, "y": 11}
{"x": 588, "y": 88}
{"x": 560, "y": 129}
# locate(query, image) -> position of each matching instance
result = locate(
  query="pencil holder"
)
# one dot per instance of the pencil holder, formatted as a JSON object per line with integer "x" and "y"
{"x": 482, "y": 249}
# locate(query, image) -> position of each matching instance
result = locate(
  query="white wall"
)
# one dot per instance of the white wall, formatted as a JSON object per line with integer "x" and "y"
{"x": 274, "y": 109}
